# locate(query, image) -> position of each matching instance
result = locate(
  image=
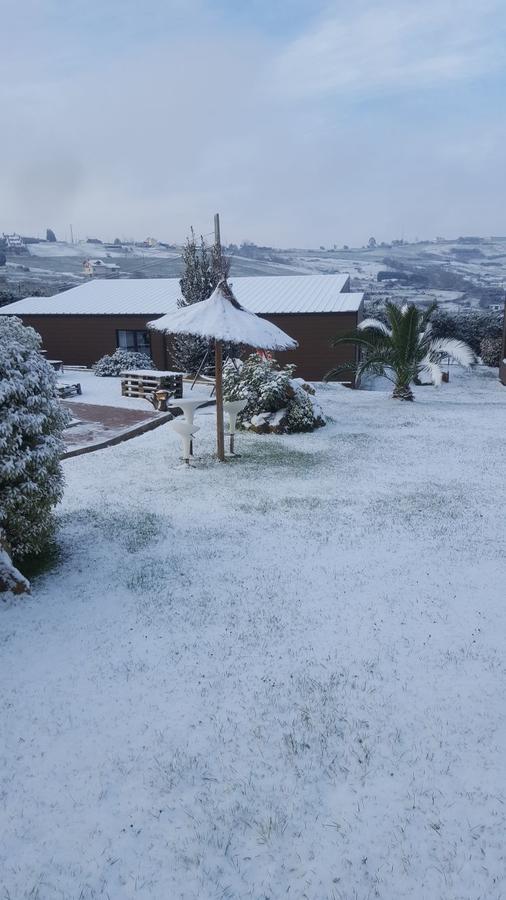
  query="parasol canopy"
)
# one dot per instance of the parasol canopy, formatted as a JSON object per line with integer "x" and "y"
{"x": 222, "y": 319}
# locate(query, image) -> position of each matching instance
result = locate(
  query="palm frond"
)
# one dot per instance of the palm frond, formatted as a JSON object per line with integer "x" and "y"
{"x": 370, "y": 339}
{"x": 410, "y": 331}
{"x": 373, "y": 324}
{"x": 346, "y": 367}
{"x": 432, "y": 369}
{"x": 457, "y": 350}
{"x": 374, "y": 364}
{"x": 427, "y": 316}
{"x": 397, "y": 321}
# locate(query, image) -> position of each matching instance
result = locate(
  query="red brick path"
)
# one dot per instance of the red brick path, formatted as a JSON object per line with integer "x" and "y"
{"x": 99, "y": 423}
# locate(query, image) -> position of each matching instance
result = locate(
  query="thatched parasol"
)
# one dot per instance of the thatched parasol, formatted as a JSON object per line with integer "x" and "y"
{"x": 222, "y": 319}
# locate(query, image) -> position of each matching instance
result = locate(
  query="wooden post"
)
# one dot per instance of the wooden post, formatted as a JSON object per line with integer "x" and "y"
{"x": 218, "y": 368}
{"x": 220, "y": 437}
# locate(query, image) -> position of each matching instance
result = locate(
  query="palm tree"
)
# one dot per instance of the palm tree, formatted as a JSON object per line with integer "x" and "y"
{"x": 403, "y": 350}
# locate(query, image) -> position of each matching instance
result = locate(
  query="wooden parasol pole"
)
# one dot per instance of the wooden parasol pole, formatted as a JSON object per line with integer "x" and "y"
{"x": 220, "y": 437}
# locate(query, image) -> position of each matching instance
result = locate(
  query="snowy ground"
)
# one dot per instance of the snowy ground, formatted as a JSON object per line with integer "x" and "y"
{"x": 98, "y": 413}
{"x": 107, "y": 391}
{"x": 279, "y": 678}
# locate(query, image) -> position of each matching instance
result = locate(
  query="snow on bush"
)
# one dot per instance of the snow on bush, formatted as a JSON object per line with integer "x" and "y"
{"x": 471, "y": 327}
{"x": 11, "y": 579}
{"x": 31, "y": 426}
{"x": 491, "y": 351}
{"x": 277, "y": 402}
{"x": 121, "y": 360}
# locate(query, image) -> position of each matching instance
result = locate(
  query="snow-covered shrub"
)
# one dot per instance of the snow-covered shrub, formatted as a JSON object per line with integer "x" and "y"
{"x": 491, "y": 350}
{"x": 31, "y": 426}
{"x": 277, "y": 402}
{"x": 468, "y": 326}
{"x": 120, "y": 360}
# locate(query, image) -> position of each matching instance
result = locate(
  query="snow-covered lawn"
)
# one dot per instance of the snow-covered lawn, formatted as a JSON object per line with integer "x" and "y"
{"x": 107, "y": 391}
{"x": 279, "y": 678}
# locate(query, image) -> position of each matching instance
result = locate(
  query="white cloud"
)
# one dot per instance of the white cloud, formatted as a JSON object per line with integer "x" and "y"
{"x": 134, "y": 137}
{"x": 393, "y": 45}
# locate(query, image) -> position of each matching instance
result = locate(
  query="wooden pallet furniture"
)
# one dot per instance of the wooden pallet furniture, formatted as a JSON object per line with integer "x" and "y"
{"x": 57, "y": 364}
{"x": 141, "y": 382}
{"x": 69, "y": 390}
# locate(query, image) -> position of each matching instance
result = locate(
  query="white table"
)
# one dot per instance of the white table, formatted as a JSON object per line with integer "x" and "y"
{"x": 189, "y": 407}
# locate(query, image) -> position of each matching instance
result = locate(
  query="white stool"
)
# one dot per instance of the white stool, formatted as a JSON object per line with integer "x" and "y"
{"x": 186, "y": 433}
{"x": 189, "y": 408}
{"x": 233, "y": 408}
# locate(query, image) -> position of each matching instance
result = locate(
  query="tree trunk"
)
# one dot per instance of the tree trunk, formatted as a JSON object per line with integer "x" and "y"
{"x": 403, "y": 391}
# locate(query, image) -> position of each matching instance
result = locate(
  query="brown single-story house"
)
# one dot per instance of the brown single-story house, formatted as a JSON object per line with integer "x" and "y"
{"x": 84, "y": 323}
{"x": 502, "y": 364}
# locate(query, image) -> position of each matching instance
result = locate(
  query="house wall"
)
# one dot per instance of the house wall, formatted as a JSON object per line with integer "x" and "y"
{"x": 315, "y": 355}
{"x": 82, "y": 340}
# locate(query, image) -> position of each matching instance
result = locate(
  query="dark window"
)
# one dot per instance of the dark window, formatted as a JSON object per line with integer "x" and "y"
{"x": 137, "y": 341}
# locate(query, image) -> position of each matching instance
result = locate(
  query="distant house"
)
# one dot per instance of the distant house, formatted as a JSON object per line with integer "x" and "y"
{"x": 97, "y": 268}
{"x": 14, "y": 243}
{"x": 409, "y": 278}
{"x": 80, "y": 325}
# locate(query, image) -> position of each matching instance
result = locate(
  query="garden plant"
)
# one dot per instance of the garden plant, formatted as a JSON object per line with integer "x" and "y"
{"x": 404, "y": 350}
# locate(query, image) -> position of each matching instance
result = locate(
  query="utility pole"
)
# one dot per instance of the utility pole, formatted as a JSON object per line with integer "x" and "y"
{"x": 218, "y": 363}
{"x": 217, "y": 244}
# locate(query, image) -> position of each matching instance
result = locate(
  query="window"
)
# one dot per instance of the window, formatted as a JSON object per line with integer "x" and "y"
{"x": 137, "y": 341}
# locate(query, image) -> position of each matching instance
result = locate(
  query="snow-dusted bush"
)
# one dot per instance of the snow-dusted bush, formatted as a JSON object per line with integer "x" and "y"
{"x": 31, "y": 425}
{"x": 121, "y": 360}
{"x": 491, "y": 351}
{"x": 277, "y": 402}
{"x": 468, "y": 326}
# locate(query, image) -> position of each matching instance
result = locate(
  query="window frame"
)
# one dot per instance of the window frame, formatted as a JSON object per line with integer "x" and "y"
{"x": 135, "y": 349}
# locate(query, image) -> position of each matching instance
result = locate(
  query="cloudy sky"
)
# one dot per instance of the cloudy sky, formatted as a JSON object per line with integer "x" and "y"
{"x": 302, "y": 122}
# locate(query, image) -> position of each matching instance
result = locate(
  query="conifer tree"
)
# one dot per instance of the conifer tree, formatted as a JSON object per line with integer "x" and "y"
{"x": 204, "y": 267}
{"x": 31, "y": 427}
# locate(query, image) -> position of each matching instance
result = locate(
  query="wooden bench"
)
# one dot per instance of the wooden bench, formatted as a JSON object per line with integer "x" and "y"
{"x": 69, "y": 390}
{"x": 141, "y": 382}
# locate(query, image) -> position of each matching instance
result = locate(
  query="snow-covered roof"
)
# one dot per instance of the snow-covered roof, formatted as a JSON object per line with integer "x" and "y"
{"x": 100, "y": 262}
{"x": 268, "y": 294}
{"x": 223, "y": 318}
